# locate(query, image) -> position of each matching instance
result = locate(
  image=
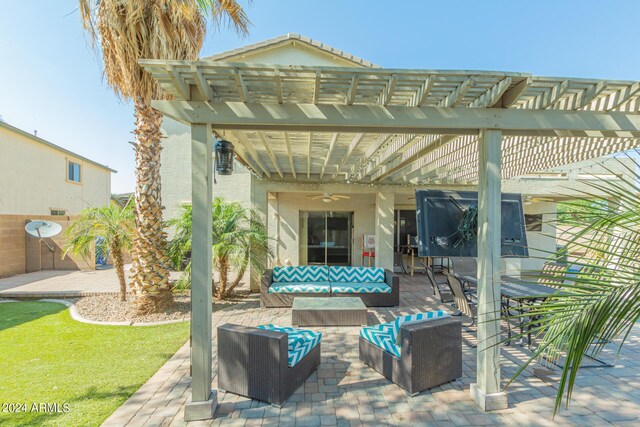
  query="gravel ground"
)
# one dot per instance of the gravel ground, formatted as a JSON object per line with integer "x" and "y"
{"x": 109, "y": 308}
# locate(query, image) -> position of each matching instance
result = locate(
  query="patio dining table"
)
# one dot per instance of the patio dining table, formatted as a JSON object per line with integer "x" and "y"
{"x": 518, "y": 291}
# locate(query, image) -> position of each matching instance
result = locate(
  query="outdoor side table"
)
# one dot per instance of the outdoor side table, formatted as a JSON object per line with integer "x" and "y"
{"x": 344, "y": 311}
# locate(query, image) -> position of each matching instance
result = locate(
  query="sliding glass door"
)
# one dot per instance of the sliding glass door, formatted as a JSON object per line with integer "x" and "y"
{"x": 325, "y": 238}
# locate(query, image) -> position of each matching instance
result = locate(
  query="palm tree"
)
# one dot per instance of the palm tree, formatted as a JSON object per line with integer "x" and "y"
{"x": 127, "y": 31}
{"x": 116, "y": 226}
{"x": 236, "y": 232}
{"x": 601, "y": 303}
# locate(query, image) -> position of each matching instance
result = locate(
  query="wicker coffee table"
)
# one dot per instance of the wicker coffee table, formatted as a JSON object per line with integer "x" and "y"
{"x": 347, "y": 311}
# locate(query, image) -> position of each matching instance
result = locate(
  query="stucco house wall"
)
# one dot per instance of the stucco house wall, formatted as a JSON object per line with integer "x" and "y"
{"x": 33, "y": 177}
{"x": 33, "y": 173}
{"x": 175, "y": 170}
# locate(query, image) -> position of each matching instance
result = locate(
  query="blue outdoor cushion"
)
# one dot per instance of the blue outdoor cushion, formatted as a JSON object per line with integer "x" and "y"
{"x": 360, "y": 288}
{"x": 308, "y": 273}
{"x": 300, "y": 288}
{"x": 381, "y": 336}
{"x": 299, "y": 341}
{"x": 415, "y": 318}
{"x": 356, "y": 274}
{"x": 387, "y": 335}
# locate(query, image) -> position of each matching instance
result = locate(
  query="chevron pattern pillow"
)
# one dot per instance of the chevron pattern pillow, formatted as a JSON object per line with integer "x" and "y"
{"x": 360, "y": 288}
{"x": 308, "y": 273}
{"x": 381, "y": 336}
{"x": 300, "y": 288}
{"x": 415, "y": 318}
{"x": 356, "y": 274}
{"x": 299, "y": 341}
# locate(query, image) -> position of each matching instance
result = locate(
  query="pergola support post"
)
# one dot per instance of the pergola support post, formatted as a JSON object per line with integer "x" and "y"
{"x": 203, "y": 400}
{"x": 385, "y": 201}
{"x": 486, "y": 392}
{"x": 259, "y": 204}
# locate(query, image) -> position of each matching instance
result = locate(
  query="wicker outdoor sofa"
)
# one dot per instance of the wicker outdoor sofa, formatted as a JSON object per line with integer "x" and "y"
{"x": 377, "y": 287}
{"x": 416, "y": 352}
{"x": 266, "y": 363}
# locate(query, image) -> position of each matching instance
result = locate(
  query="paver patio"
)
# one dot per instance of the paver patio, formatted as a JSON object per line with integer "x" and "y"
{"x": 345, "y": 392}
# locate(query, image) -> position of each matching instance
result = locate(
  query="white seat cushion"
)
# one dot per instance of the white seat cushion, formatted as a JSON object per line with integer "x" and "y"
{"x": 360, "y": 288}
{"x": 300, "y": 288}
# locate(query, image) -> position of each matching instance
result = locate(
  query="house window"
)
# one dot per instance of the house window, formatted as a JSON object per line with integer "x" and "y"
{"x": 73, "y": 171}
{"x": 57, "y": 212}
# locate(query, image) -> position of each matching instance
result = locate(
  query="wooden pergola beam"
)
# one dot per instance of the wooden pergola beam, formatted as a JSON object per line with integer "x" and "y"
{"x": 353, "y": 88}
{"x": 588, "y": 95}
{"x": 512, "y": 95}
{"x": 181, "y": 86}
{"x": 387, "y": 93}
{"x": 491, "y": 97}
{"x": 205, "y": 89}
{"x": 401, "y": 119}
{"x": 372, "y": 152}
{"x": 250, "y": 153}
{"x": 290, "y": 154}
{"x": 428, "y": 145}
{"x": 457, "y": 94}
{"x": 242, "y": 86}
{"x": 352, "y": 146}
{"x": 332, "y": 145}
{"x": 423, "y": 93}
{"x": 402, "y": 145}
{"x": 272, "y": 156}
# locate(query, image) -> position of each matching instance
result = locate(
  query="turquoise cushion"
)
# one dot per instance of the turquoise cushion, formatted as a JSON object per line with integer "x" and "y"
{"x": 415, "y": 318}
{"x": 360, "y": 288}
{"x": 300, "y": 288}
{"x": 381, "y": 336}
{"x": 299, "y": 341}
{"x": 356, "y": 274}
{"x": 309, "y": 273}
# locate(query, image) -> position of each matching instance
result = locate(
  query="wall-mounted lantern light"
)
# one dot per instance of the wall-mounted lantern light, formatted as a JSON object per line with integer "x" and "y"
{"x": 224, "y": 157}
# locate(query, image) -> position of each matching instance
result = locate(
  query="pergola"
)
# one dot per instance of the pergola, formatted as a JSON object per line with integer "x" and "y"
{"x": 388, "y": 127}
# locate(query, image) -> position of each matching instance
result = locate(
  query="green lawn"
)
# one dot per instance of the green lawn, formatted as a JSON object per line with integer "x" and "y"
{"x": 46, "y": 357}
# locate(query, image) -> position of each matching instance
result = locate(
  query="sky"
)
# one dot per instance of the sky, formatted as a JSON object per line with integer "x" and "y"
{"x": 51, "y": 81}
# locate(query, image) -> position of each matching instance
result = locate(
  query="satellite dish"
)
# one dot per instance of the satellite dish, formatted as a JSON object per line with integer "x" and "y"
{"x": 42, "y": 229}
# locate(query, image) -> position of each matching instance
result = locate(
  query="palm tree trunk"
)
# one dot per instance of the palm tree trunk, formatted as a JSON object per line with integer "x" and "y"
{"x": 224, "y": 269}
{"x": 150, "y": 275}
{"x": 118, "y": 260}
{"x": 243, "y": 269}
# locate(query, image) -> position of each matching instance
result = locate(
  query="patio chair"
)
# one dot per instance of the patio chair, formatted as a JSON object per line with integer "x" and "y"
{"x": 266, "y": 363}
{"x": 415, "y": 352}
{"x": 466, "y": 302}
{"x": 465, "y": 267}
{"x": 440, "y": 286}
{"x": 412, "y": 254}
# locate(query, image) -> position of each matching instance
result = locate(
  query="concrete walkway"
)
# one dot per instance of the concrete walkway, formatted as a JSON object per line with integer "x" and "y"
{"x": 64, "y": 284}
{"x": 345, "y": 392}
{"x": 59, "y": 284}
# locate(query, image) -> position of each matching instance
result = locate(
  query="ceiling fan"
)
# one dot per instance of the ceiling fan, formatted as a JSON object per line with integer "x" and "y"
{"x": 327, "y": 197}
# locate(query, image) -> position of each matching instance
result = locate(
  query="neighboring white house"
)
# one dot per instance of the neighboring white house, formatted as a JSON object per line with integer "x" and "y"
{"x": 302, "y": 217}
{"x": 40, "y": 180}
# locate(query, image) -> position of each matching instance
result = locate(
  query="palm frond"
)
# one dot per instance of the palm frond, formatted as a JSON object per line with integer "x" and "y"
{"x": 598, "y": 296}
{"x": 238, "y": 236}
{"x": 126, "y": 31}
